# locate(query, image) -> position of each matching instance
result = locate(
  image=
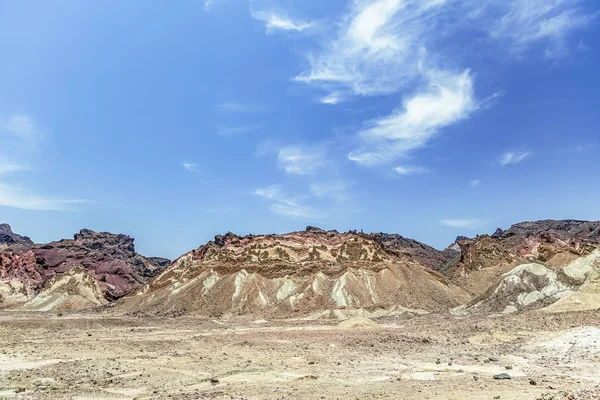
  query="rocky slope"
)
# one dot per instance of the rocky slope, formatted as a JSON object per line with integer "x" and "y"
{"x": 533, "y": 285}
{"x": 11, "y": 240}
{"x": 300, "y": 273}
{"x": 417, "y": 251}
{"x": 109, "y": 258}
{"x": 555, "y": 244}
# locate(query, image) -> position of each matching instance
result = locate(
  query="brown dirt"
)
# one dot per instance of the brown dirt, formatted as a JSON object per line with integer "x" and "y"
{"x": 435, "y": 356}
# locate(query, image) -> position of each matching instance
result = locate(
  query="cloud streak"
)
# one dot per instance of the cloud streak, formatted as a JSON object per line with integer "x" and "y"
{"x": 299, "y": 160}
{"x": 18, "y": 197}
{"x": 285, "y": 205}
{"x": 190, "y": 167}
{"x": 274, "y": 22}
{"x": 551, "y": 21}
{"x": 448, "y": 99}
{"x": 462, "y": 223}
{"x": 407, "y": 170}
{"x": 510, "y": 158}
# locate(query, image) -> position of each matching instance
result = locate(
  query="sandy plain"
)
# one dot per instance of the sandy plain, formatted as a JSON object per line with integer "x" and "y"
{"x": 94, "y": 356}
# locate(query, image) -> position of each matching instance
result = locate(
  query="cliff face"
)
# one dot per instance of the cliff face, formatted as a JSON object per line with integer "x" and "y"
{"x": 308, "y": 272}
{"x": 11, "y": 240}
{"x": 549, "y": 242}
{"x": 109, "y": 258}
{"x": 417, "y": 251}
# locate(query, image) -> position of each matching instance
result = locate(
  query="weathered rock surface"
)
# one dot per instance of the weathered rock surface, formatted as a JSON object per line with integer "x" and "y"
{"x": 408, "y": 248}
{"x": 20, "y": 276}
{"x": 11, "y": 240}
{"x": 554, "y": 243}
{"x": 77, "y": 289}
{"x": 292, "y": 274}
{"x": 109, "y": 258}
{"x": 533, "y": 286}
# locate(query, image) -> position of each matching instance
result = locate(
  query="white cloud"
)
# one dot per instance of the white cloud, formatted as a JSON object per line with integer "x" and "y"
{"x": 336, "y": 190}
{"x": 209, "y": 4}
{"x": 529, "y": 21}
{"x": 7, "y": 167}
{"x": 332, "y": 98}
{"x": 377, "y": 49}
{"x": 274, "y": 21}
{"x": 510, "y": 157}
{"x": 298, "y": 160}
{"x": 475, "y": 183}
{"x": 18, "y": 197}
{"x": 461, "y": 223}
{"x": 284, "y": 205}
{"x": 190, "y": 167}
{"x": 448, "y": 99}
{"x": 18, "y": 126}
{"x": 406, "y": 170}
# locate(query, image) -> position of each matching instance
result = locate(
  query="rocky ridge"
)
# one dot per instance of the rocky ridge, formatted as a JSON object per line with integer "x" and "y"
{"x": 312, "y": 272}
{"x": 11, "y": 240}
{"x": 109, "y": 258}
{"x": 555, "y": 244}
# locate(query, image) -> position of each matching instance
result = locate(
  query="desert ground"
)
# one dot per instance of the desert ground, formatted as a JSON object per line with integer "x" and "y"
{"x": 90, "y": 355}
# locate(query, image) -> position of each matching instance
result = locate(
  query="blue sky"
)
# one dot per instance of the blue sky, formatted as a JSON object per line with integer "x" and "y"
{"x": 173, "y": 123}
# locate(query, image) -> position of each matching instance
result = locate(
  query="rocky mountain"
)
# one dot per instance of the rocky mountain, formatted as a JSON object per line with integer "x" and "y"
{"x": 312, "y": 272}
{"x": 553, "y": 243}
{"x": 417, "y": 251}
{"x": 534, "y": 285}
{"x": 11, "y": 240}
{"x": 109, "y": 258}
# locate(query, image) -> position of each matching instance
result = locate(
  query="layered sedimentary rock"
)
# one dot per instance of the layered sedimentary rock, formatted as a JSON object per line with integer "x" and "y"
{"x": 293, "y": 274}
{"x": 11, "y": 240}
{"x": 110, "y": 259}
{"x": 555, "y": 244}
{"x": 533, "y": 285}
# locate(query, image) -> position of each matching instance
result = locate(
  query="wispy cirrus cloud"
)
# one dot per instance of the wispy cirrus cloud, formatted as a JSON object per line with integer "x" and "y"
{"x": 20, "y": 140}
{"x": 336, "y": 190}
{"x": 474, "y": 183}
{"x": 374, "y": 50}
{"x": 191, "y": 167}
{"x": 462, "y": 223}
{"x": 409, "y": 170}
{"x": 448, "y": 99}
{"x": 8, "y": 167}
{"x": 381, "y": 47}
{"x": 19, "y": 126}
{"x": 551, "y": 21}
{"x": 19, "y": 197}
{"x": 276, "y": 21}
{"x": 285, "y": 205}
{"x": 301, "y": 160}
{"x": 332, "y": 98}
{"x": 511, "y": 157}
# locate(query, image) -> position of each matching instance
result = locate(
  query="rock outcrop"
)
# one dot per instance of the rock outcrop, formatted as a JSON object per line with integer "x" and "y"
{"x": 533, "y": 286}
{"x": 300, "y": 273}
{"x": 554, "y": 243}
{"x": 77, "y": 289}
{"x": 13, "y": 241}
{"x": 20, "y": 277}
{"x": 109, "y": 258}
{"x": 409, "y": 248}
